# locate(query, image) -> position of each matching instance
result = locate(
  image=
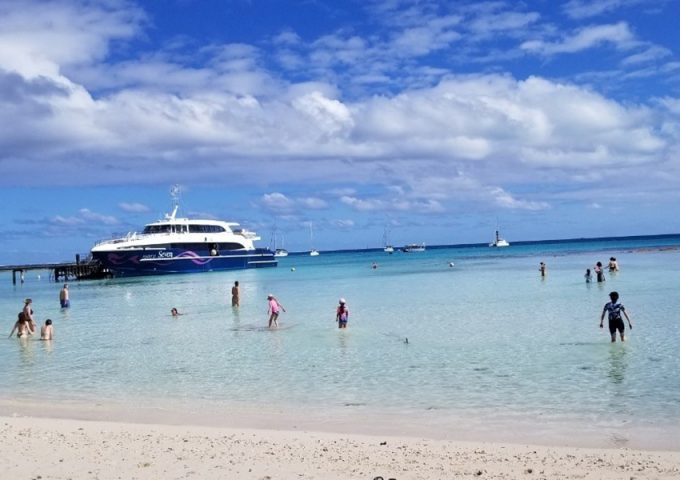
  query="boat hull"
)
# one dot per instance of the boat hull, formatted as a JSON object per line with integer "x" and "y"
{"x": 136, "y": 262}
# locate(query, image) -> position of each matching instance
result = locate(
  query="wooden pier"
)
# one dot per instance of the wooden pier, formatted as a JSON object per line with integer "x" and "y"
{"x": 86, "y": 270}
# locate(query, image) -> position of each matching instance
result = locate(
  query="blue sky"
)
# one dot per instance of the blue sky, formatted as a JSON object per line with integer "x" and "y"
{"x": 437, "y": 119}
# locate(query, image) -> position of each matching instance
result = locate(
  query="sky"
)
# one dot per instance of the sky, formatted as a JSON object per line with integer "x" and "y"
{"x": 432, "y": 121}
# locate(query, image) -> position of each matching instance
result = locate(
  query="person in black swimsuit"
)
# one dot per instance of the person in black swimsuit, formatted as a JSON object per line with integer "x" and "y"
{"x": 615, "y": 309}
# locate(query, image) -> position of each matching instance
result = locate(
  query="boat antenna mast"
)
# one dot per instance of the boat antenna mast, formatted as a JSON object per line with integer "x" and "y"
{"x": 175, "y": 193}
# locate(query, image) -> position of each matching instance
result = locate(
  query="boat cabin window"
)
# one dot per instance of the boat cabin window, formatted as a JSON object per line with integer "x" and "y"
{"x": 205, "y": 229}
{"x": 157, "y": 229}
{"x": 204, "y": 248}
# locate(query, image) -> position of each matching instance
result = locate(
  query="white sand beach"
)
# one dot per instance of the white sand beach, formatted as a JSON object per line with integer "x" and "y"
{"x": 50, "y": 448}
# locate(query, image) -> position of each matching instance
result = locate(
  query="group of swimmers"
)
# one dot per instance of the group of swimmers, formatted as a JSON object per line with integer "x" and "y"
{"x": 614, "y": 310}
{"x": 25, "y": 324}
{"x": 612, "y": 266}
{"x": 274, "y": 308}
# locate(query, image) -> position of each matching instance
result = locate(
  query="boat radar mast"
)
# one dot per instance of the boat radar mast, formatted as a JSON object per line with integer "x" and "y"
{"x": 175, "y": 194}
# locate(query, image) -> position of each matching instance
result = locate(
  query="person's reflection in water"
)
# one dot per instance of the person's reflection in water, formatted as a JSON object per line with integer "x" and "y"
{"x": 617, "y": 364}
{"x": 342, "y": 342}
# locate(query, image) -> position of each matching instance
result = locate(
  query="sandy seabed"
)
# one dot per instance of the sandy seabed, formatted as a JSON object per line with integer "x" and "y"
{"x": 50, "y": 448}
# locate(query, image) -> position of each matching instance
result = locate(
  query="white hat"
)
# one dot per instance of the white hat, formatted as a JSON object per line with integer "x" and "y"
{"x": 342, "y": 300}
{"x": 270, "y": 296}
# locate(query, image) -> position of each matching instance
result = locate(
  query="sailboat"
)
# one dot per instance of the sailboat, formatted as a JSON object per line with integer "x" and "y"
{"x": 279, "y": 252}
{"x": 388, "y": 247}
{"x": 499, "y": 242}
{"x": 313, "y": 252}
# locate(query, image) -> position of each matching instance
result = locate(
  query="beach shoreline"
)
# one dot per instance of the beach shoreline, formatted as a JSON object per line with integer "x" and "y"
{"x": 439, "y": 425}
{"x": 55, "y": 448}
{"x": 502, "y": 426}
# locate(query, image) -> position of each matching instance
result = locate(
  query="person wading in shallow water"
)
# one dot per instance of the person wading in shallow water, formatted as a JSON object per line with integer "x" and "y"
{"x": 28, "y": 314}
{"x": 274, "y": 309}
{"x": 47, "y": 331}
{"x": 342, "y": 314}
{"x": 599, "y": 272}
{"x": 615, "y": 309}
{"x": 63, "y": 297}
{"x": 235, "y": 295}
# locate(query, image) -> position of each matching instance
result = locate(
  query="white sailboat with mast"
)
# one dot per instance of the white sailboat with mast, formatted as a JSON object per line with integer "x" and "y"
{"x": 313, "y": 252}
{"x": 279, "y": 251}
{"x": 499, "y": 241}
{"x": 388, "y": 248}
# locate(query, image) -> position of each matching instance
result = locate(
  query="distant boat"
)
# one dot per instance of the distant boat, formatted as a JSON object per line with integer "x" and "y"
{"x": 499, "y": 242}
{"x": 388, "y": 248}
{"x": 278, "y": 252}
{"x": 313, "y": 252}
{"x": 413, "y": 247}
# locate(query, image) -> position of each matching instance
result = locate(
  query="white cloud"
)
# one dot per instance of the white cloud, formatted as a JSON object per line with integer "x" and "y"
{"x": 650, "y": 54}
{"x": 505, "y": 200}
{"x": 580, "y": 9}
{"x": 397, "y": 204}
{"x": 67, "y": 221}
{"x": 43, "y": 38}
{"x": 502, "y": 22}
{"x": 287, "y": 37}
{"x": 329, "y": 115}
{"x": 363, "y": 205}
{"x": 133, "y": 207}
{"x": 85, "y": 217}
{"x": 312, "y": 203}
{"x": 90, "y": 216}
{"x": 277, "y": 202}
{"x": 343, "y": 224}
{"x": 222, "y": 114}
{"x": 618, "y": 35}
{"x": 280, "y": 203}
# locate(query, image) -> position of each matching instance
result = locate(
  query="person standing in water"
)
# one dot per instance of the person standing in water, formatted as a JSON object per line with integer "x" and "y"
{"x": 46, "y": 331}
{"x": 613, "y": 265}
{"x": 615, "y": 309}
{"x": 274, "y": 309}
{"x": 543, "y": 269}
{"x": 235, "y": 295}
{"x": 342, "y": 314}
{"x": 28, "y": 315}
{"x": 63, "y": 297}
{"x": 588, "y": 276}
{"x": 20, "y": 326}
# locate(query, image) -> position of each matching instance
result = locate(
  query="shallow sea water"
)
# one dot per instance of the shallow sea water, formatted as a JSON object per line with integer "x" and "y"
{"x": 488, "y": 340}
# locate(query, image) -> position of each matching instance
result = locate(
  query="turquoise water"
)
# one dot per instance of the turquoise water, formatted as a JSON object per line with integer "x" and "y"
{"x": 487, "y": 337}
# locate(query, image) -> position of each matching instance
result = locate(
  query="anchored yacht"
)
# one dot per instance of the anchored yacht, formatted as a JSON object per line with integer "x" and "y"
{"x": 182, "y": 245}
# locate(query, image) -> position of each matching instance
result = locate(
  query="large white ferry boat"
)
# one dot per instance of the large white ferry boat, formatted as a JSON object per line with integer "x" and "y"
{"x": 182, "y": 245}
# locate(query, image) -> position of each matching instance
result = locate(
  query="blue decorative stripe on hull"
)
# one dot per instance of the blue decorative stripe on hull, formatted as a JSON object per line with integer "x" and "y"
{"x": 146, "y": 262}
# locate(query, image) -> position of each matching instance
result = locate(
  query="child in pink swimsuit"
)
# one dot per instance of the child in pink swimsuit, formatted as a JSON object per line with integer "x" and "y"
{"x": 342, "y": 314}
{"x": 274, "y": 309}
